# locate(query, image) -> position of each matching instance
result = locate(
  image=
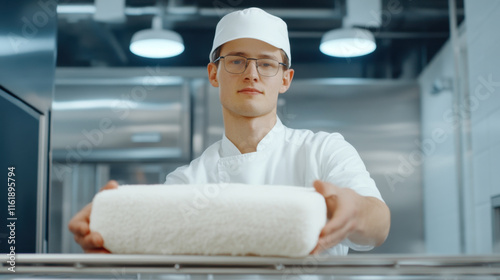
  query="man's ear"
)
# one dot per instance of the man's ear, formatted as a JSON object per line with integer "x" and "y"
{"x": 287, "y": 80}
{"x": 212, "y": 74}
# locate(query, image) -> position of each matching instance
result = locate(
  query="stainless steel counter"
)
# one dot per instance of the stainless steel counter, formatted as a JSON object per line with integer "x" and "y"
{"x": 98, "y": 266}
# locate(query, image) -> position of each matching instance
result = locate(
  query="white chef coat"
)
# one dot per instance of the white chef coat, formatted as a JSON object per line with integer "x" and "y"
{"x": 284, "y": 156}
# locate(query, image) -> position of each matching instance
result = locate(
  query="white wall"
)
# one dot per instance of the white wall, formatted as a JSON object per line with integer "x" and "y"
{"x": 439, "y": 176}
{"x": 483, "y": 23}
{"x": 454, "y": 224}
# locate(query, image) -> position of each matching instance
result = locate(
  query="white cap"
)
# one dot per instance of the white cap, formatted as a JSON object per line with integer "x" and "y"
{"x": 252, "y": 23}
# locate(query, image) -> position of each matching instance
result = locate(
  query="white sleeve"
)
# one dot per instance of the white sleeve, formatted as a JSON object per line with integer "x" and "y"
{"x": 177, "y": 177}
{"x": 355, "y": 246}
{"x": 341, "y": 165}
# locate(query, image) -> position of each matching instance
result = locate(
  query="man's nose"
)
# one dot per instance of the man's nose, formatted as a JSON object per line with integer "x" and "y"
{"x": 251, "y": 72}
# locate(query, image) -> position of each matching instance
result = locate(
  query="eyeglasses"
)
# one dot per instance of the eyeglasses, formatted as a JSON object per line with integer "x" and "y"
{"x": 236, "y": 64}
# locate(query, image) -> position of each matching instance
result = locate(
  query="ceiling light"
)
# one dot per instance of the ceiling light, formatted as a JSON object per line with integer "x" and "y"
{"x": 347, "y": 42}
{"x": 75, "y": 9}
{"x": 156, "y": 42}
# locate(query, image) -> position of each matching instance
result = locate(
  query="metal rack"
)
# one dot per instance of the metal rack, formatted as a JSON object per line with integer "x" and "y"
{"x": 99, "y": 266}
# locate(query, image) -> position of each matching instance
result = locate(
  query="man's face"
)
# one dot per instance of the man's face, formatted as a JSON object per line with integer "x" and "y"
{"x": 249, "y": 94}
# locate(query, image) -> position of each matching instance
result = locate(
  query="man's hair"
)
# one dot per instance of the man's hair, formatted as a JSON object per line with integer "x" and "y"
{"x": 216, "y": 54}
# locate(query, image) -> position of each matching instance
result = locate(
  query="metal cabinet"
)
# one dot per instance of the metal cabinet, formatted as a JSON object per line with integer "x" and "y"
{"x": 27, "y": 68}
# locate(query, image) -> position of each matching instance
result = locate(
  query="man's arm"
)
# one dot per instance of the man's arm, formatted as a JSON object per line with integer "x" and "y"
{"x": 363, "y": 220}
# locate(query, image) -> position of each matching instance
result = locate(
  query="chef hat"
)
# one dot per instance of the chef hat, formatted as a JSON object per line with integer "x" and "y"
{"x": 252, "y": 23}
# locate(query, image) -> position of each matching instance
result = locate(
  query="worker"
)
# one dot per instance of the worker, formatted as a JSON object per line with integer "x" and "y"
{"x": 250, "y": 64}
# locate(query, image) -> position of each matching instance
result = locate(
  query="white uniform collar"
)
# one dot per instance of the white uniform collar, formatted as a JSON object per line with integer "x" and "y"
{"x": 227, "y": 147}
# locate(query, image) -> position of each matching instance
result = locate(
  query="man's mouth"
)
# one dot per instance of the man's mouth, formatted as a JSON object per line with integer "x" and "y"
{"x": 250, "y": 90}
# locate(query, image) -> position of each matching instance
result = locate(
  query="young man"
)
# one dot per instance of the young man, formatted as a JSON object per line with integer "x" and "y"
{"x": 250, "y": 64}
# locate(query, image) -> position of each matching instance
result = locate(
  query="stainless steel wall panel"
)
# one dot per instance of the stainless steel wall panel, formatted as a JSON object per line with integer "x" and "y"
{"x": 121, "y": 119}
{"x": 27, "y": 50}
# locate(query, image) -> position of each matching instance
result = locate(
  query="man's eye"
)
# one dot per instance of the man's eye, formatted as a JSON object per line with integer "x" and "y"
{"x": 264, "y": 64}
{"x": 237, "y": 62}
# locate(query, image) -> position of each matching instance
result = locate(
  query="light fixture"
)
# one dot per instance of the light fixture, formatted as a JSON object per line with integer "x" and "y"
{"x": 156, "y": 42}
{"x": 347, "y": 42}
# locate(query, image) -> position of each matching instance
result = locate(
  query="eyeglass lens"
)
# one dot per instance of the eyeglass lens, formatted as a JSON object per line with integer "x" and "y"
{"x": 238, "y": 64}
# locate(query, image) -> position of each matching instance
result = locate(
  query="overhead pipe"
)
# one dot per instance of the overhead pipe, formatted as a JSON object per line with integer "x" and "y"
{"x": 89, "y": 9}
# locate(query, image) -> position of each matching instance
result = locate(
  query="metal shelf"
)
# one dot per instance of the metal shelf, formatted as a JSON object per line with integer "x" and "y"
{"x": 99, "y": 266}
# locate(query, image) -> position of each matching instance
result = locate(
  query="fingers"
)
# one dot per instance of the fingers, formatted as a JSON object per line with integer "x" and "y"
{"x": 97, "y": 251}
{"x": 335, "y": 236}
{"x": 332, "y": 235}
{"x": 341, "y": 215}
{"x": 79, "y": 224}
{"x": 325, "y": 189}
{"x": 335, "y": 224}
{"x": 330, "y": 192}
{"x": 320, "y": 247}
{"x": 316, "y": 250}
{"x": 91, "y": 241}
{"x": 112, "y": 184}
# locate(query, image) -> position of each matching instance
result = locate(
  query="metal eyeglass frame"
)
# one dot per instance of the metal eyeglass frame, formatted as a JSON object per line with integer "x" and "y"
{"x": 246, "y": 64}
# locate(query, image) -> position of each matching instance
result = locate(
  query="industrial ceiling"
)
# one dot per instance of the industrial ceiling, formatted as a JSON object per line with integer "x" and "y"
{"x": 409, "y": 34}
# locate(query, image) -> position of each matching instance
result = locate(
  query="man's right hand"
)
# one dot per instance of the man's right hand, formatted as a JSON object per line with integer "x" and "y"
{"x": 91, "y": 242}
